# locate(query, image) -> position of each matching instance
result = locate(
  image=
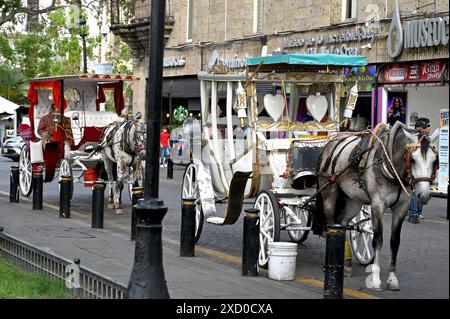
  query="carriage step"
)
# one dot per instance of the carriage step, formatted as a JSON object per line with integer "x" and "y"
{"x": 215, "y": 220}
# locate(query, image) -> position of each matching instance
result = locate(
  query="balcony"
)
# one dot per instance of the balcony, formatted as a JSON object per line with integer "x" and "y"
{"x": 130, "y": 19}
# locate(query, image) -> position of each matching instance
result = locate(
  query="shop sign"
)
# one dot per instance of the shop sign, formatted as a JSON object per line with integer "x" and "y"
{"x": 364, "y": 75}
{"x": 335, "y": 43}
{"x": 415, "y": 72}
{"x": 221, "y": 65}
{"x": 421, "y": 33}
{"x": 174, "y": 61}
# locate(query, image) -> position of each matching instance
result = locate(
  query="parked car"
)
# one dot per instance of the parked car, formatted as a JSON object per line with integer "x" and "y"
{"x": 12, "y": 147}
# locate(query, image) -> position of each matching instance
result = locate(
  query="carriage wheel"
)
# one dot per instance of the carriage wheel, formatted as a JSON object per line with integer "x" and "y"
{"x": 269, "y": 224}
{"x": 25, "y": 173}
{"x": 190, "y": 190}
{"x": 65, "y": 169}
{"x": 361, "y": 238}
{"x": 299, "y": 236}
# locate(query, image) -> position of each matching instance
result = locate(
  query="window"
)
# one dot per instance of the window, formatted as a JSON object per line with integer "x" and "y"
{"x": 348, "y": 9}
{"x": 189, "y": 20}
{"x": 258, "y": 13}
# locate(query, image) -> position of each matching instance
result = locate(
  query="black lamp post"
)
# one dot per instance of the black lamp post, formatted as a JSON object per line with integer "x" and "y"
{"x": 147, "y": 279}
{"x": 83, "y": 35}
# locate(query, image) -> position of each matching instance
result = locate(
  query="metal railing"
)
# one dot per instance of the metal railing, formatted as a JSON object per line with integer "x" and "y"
{"x": 32, "y": 259}
{"x": 133, "y": 11}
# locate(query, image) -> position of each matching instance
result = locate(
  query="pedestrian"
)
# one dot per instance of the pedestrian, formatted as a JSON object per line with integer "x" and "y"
{"x": 415, "y": 209}
{"x": 165, "y": 148}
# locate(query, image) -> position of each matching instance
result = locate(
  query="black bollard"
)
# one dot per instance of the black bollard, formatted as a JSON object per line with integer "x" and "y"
{"x": 169, "y": 168}
{"x": 14, "y": 185}
{"x": 187, "y": 234}
{"x": 147, "y": 280}
{"x": 64, "y": 196}
{"x": 136, "y": 194}
{"x": 250, "y": 246}
{"x": 334, "y": 262}
{"x": 98, "y": 200}
{"x": 38, "y": 186}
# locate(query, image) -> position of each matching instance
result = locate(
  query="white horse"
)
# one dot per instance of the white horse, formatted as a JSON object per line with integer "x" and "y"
{"x": 376, "y": 183}
{"x": 123, "y": 144}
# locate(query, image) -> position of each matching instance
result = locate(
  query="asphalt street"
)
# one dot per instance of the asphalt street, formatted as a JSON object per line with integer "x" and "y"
{"x": 423, "y": 259}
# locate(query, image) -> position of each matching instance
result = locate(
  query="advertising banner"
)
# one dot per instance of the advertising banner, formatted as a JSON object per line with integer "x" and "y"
{"x": 415, "y": 72}
{"x": 443, "y": 152}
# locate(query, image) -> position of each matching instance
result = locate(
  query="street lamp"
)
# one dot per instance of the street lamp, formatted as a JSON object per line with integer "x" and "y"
{"x": 83, "y": 35}
{"x": 147, "y": 280}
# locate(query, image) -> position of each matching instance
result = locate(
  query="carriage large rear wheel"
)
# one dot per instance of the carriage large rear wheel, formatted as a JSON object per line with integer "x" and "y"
{"x": 361, "y": 238}
{"x": 190, "y": 190}
{"x": 25, "y": 173}
{"x": 269, "y": 224}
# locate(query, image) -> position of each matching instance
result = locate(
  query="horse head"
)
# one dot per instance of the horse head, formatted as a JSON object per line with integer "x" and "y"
{"x": 421, "y": 162}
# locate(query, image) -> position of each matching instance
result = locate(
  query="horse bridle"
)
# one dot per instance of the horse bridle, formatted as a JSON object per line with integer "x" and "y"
{"x": 410, "y": 149}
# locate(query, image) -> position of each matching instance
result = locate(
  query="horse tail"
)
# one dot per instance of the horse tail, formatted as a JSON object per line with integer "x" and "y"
{"x": 319, "y": 221}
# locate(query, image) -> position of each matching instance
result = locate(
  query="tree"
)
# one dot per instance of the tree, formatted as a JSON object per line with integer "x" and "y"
{"x": 12, "y": 10}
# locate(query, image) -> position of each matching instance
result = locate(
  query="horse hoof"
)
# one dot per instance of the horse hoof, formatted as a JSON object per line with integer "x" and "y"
{"x": 119, "y": 211}
{"x": 392, "y": 287}
{"x": 376, "y": 289}
{"x": 111, "y": 206}
{"x": 347, "y": 271}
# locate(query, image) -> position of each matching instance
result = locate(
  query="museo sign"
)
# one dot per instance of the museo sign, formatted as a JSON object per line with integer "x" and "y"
{"x": 421, "y": 33}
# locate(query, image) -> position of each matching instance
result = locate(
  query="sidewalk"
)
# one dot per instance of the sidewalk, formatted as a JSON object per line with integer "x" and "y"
{"x": 111, "y": 254}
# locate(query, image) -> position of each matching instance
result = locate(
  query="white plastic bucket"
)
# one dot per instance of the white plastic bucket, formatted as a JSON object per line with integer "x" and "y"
{"x": 282, "y": 260}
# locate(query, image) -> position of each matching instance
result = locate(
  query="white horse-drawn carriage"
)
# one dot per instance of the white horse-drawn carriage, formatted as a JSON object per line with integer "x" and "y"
{"x": 78, "y": 122}
{"x": 261, "y": 135}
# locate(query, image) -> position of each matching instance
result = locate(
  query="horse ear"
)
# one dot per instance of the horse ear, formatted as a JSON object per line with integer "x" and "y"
{"x": 434, "y": 135}
{"x": 413, "y": 137}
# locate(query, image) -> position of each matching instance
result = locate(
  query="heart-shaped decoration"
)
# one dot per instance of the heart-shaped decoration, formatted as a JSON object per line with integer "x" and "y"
{"x": 274, "y": 105}
{"x": 317, "y": 106}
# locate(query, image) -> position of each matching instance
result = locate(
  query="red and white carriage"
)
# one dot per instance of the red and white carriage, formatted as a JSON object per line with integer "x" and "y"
{"x": 77, "y": 98}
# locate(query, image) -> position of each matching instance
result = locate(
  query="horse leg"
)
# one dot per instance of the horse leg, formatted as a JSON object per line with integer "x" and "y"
{"x": 399, "y": 212}
{"x": 109, "y": 172}
{"x": 330, "y": 196}
{"x": 373, "y": 281}
{"x": 352, "y": 208}
{"x": 119, "y": 187}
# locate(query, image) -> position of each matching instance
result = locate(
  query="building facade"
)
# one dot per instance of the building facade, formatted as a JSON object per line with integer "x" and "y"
{"x": 405, "y": 41}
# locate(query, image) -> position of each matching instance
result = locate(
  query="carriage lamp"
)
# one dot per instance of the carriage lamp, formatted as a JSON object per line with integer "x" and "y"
{"x": 241, "y": 103}
{"x": 56, "y": 116}
{"x": 56, "y": 119}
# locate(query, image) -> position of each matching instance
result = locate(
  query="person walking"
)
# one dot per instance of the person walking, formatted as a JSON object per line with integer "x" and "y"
{"x": 164, "y": 143}
{"x": 415, "y": 209}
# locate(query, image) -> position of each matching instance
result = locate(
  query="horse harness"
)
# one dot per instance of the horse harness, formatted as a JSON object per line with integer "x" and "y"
{"x": 410, "y": 149}
{"x": 125, "y": 141}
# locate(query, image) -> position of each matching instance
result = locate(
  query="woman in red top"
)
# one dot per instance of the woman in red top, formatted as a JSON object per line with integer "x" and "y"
{"x": 164, "y": 143}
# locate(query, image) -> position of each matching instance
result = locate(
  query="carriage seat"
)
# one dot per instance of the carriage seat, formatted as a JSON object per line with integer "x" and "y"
{"x": 97, "y": 119}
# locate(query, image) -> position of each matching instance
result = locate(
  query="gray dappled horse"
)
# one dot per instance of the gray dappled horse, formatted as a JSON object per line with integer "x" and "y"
{"x": 367, "y": 179}
{"x": 124, "y": 144}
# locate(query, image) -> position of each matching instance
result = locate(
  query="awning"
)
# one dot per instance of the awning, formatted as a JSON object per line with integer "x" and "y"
{"x": 310, "y": 59}
{"x": 6, "y": 106}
